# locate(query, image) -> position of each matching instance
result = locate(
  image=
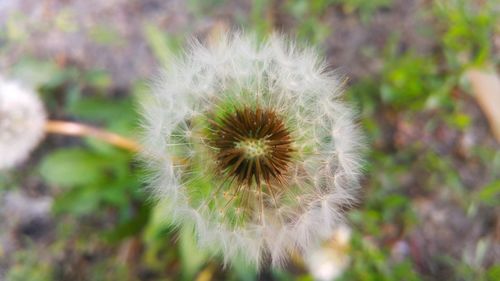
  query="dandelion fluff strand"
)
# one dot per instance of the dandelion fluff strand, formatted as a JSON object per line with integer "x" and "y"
{"x": 252, "y": 144}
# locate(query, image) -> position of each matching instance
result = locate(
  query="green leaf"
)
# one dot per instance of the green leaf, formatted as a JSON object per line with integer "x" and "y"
{"x": 119, "y": 115}
{"x": 494, "y": 272}
{"x": 105, "y": 35}
{"x": 36, "y": 72}
{"x": 490, "y": 194}
{"x": 192, "y": 257}
{"x": 71, "y": 167}
{"x": 98, "y": 78}
{"x": 131, "y": 225}
{"x": 78, "y": 201}
{"x": 163, "y": 46}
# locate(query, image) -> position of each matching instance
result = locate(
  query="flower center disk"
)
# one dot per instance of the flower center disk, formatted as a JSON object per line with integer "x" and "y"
{"x": 252, "y": 146}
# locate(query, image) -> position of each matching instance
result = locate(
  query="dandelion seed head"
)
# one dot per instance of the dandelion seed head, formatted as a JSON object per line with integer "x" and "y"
{"x": 22, "y": 120}
{"x": 251, "y": 142}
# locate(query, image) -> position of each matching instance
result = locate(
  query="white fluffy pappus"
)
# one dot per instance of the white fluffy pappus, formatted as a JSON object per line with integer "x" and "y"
{"x": 260, "y": 212}
{"x": 22, "y": 121}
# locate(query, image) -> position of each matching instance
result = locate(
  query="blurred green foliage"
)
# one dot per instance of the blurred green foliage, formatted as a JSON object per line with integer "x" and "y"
{"x": 365, "y": 8}
{"x": 101, "y": 200}
{"x": 468, "y": 30}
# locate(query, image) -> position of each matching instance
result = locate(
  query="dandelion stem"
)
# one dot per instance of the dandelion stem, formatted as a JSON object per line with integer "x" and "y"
{"x": 77, "y": 129}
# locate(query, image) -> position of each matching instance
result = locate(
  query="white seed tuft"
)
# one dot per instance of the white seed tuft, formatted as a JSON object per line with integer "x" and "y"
{"x": 22, "y": 121}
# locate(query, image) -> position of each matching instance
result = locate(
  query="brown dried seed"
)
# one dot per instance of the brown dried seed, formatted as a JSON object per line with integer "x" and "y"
{"x": 253, "y": 145}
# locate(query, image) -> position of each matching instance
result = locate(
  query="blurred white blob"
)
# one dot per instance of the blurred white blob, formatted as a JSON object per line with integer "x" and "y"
{"x": 330, "y": 260}
{"x": 22, "y": 121}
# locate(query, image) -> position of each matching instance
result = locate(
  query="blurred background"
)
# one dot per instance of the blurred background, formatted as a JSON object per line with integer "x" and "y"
{"x": 417, "y": 69}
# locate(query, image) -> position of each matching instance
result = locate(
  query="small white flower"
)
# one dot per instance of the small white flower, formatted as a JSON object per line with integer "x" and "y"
{"x": 22, "y": 120}
{"x": 252, "y": 144}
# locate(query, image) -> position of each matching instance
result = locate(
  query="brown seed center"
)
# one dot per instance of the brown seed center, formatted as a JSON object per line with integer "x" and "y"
{"x": 252, "y": 145}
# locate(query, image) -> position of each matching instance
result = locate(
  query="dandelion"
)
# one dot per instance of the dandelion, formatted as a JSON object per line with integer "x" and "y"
{"x": 252, "y": 144}
{"x": 22, "y": 120}
{"x": 24, "y": 123}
